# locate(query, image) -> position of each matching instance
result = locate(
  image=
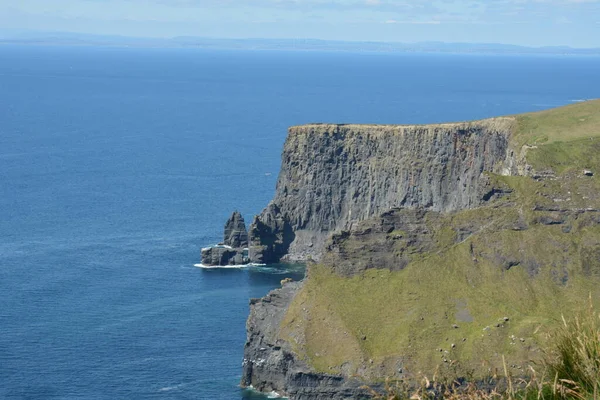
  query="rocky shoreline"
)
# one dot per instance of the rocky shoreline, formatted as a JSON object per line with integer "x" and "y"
{"x": 270, "y": 364}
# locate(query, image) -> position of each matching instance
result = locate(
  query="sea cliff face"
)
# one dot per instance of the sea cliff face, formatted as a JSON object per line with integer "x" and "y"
{"x": 438, "y": 247}
{"x": 335, "y": 175}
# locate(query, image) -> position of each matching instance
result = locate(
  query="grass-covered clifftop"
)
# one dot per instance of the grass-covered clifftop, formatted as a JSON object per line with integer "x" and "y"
{"x": 561, "y": 138}
{"x": 415, "y": 290}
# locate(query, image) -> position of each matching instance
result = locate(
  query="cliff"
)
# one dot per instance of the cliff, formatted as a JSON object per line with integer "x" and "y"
{"x": 447, "y": 248}
{"x": 270, "y": 364}
{"x": 335, "y": 175}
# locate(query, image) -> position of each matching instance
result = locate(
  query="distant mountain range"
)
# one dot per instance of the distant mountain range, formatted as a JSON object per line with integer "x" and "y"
{"x": 76, "y": 39}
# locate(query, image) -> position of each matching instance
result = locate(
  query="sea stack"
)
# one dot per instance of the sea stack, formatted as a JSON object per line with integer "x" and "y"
{"x": 234, "y": 248}
{"x": 236, "y": 235}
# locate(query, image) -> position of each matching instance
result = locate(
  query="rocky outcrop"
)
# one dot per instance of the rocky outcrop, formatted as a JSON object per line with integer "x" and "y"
{"x": 223, "y": 256}
{"x": 335, "y": 175}
{"x": 387, "y": 242}
{"x": 233, "y": 250}
{"x": 235, "y": 234}
{"x": 270, "y": 365}
{"x": 270, "y": 235}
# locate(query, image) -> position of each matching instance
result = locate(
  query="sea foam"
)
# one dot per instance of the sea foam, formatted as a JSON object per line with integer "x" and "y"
{"x": 228, "y": 266}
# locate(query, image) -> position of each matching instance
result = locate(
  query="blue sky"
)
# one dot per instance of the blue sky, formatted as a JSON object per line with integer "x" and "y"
{"x": 525, "y": 22}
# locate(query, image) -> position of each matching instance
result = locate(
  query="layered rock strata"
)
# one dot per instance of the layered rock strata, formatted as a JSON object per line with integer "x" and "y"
{"x": 335, "y": 175}
{"x": 235, "y": 234}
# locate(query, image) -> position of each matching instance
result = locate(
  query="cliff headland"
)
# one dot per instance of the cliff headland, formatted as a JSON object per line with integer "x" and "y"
{"x": 450, "y": 248}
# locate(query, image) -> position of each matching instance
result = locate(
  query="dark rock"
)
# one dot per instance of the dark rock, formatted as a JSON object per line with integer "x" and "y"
{"x": 551, "y": 219}
{"x": 219, "y": 255}
{"x": 270, "y": 236}
{"x": 508, "y": 264}
{"x": 326, "y": 184}
{"x": 495, "y": 193}
{"x": 235, "y": 234}
{"x": 233, "y": 250}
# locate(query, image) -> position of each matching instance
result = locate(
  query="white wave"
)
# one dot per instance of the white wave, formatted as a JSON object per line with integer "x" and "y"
{"x": 221, "y": 266}
{"x": 272, "y": 395}
{"x": 241, "y": 266}
{"x": 169, "y": 388}
{"x": 578, "y": 100}
{"x": 275, "y": 395}
{"x": 217, "y": 246}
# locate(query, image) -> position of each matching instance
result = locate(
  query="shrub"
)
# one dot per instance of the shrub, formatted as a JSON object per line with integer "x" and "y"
{"x": 574, "y": 358}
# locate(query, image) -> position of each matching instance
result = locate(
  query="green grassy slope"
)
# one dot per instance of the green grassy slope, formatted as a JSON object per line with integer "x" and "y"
{"x": 575, "y": 121}
{"x": 530, "y": 257}
{"x": 562, "y": 138}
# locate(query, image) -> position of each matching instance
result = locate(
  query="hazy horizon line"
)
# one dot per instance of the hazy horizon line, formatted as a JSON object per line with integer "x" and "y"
{"x": 25, "y": 36}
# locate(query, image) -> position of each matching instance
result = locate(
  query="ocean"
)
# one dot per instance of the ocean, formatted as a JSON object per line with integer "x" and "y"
{"x": 118, "y": 164}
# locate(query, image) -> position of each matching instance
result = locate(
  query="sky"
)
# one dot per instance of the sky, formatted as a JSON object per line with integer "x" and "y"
{"x": 573, "y": 23}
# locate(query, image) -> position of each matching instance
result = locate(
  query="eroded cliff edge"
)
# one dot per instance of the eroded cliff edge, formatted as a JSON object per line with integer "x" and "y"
{"x": 468, "y": 250}
{"x": 270, "y": 364}
{"x": 334, "y": 175}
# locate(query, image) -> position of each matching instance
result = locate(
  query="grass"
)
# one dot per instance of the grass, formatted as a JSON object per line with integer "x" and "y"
{"x": 405, "y": 318}
{"x": 577, "y": 155}
{"x": 575, "y": 121}
{"x": 571, "y": 371}
{"x": 561, "y": 138}
{"x": 379, "y": 322}
{"x": 574, "y": 360}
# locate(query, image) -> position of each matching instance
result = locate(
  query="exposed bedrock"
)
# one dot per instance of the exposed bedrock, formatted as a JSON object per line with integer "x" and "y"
{"x": 235, "y": 234}
{"x": 233, "y": 250}
{"x": 223, "y": 256}
{"x": 335, "y": 175}
{"x": 270, "y": 364}
{"x": 270, "y": 236}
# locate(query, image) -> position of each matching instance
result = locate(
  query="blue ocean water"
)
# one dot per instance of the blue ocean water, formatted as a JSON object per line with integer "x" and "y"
{"x": 118, "y": 165}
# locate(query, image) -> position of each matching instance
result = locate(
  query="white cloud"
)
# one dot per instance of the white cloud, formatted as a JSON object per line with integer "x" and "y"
{"x": 517, "y": 21}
